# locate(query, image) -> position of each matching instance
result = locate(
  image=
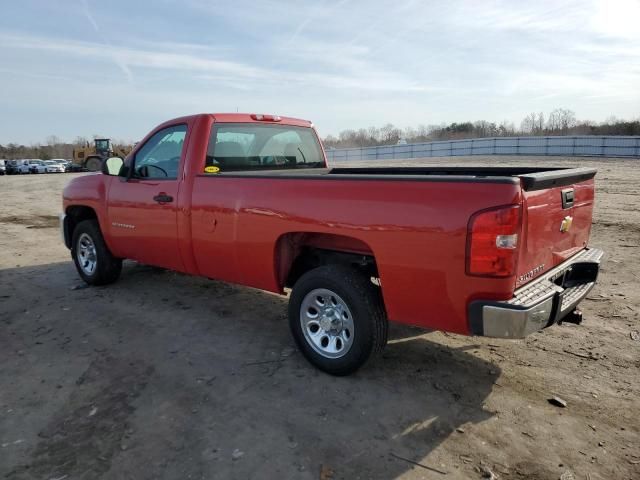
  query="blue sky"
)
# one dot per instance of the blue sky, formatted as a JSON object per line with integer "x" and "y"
{"x": 118, "y": 68}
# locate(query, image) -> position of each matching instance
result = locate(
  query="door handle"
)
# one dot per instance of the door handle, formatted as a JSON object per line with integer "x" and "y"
{"x": 163, "y": 198}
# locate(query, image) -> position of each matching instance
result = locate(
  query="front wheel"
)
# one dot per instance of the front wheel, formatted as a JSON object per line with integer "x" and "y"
{"x": 337, "y": 318}
{"x": 94, "y": 262}
{"x": 93, "y": 164}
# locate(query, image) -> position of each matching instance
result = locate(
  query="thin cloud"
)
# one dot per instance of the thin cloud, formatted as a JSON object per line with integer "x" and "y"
{"x": 342, "y": 64}
{"x": 363, "y": 77}
{"x": 87, "y": 13}
{"x": 321, "y": 10}
{"x": 118, "y": 60}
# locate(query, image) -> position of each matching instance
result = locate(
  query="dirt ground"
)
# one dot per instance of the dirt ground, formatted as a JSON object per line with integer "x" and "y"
{"x": 163, "y": 375}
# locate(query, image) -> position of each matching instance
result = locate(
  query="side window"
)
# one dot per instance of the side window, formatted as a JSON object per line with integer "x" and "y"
{"x": 159, "y": 158}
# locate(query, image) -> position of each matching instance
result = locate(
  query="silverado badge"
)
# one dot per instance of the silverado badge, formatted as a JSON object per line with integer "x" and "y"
{"x": 566, "y": 224}
{"x": 530, "y": 274}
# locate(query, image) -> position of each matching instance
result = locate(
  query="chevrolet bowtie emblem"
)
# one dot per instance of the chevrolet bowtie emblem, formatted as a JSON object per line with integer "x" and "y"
{"x": 566, "y": 224}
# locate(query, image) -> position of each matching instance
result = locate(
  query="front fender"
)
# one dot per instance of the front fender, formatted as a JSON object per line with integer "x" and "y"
{"x": 84, "y": 197}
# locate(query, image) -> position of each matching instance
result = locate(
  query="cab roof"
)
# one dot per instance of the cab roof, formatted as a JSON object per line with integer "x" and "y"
{"x": 232, "y": 118}
{"x": 251, "y": 118}
{"x": 246, "y": 118}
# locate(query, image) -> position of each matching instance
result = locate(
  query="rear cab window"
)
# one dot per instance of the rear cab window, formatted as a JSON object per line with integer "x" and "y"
{"x": 236, "y": 147}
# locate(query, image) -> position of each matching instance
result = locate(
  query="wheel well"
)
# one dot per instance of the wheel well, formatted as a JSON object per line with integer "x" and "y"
{"x": 75, "y": 215}
{"x": 297, "y": 253}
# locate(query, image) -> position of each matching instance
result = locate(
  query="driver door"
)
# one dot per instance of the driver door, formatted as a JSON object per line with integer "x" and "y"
{"x": 143, "y": 207}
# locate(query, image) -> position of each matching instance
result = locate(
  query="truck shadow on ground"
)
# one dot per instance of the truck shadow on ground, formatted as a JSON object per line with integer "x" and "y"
{"x": 163, "y": 375}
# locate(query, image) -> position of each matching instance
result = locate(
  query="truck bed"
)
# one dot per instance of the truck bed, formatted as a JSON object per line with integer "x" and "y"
{"x": 531, "y": 178}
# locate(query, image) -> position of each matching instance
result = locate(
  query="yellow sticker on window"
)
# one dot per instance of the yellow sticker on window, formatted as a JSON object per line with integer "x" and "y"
{"x": 211, "y": 169}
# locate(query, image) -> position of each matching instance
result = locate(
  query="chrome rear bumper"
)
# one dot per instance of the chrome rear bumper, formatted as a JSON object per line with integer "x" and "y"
{"x": 539, "y": 304}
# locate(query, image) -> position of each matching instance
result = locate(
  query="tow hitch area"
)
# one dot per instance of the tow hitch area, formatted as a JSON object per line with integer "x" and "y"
{"x": 574, "y": 317}
{"x": 551, "y": 299}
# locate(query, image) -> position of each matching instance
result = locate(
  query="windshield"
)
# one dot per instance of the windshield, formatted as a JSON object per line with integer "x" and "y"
{"x": 250, "y": 146}
{"x": 102, "y": 144}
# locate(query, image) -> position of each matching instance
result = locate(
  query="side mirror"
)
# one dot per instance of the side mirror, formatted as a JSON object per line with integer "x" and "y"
{"x": 112, "y": 166}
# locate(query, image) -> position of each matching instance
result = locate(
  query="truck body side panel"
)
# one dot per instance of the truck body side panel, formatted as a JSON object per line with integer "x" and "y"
{"x": 415, "y": 229}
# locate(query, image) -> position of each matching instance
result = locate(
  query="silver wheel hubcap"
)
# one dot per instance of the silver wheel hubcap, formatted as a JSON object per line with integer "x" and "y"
{"x": 327, "y": 323}
{"x": 86, "y": 254}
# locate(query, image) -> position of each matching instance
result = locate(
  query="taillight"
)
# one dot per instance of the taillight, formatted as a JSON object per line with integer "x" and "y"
{"x": 492, "y": 242}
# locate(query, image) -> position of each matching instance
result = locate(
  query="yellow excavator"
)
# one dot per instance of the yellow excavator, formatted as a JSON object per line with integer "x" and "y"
{"x": 91, "y": 157}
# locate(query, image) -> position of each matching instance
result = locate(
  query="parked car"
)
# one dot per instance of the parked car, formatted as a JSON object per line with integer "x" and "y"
{"x": 11, "y": 167}
{"x": 74, "y": 167}
{"x": 3, "y": 167}
{"x": 37, "y": 166}
{"x": 22, "y": 166}
{"x": 52, "y": 166}
{"x": 492, "y": 251}
{"x": 63, "y": 162}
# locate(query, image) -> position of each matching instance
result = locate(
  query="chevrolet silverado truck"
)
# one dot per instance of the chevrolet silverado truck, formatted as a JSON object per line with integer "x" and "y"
{"x": 249, "y": 199}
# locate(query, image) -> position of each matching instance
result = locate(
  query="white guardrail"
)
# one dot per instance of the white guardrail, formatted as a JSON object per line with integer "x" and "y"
{"x": 580, "y": 145}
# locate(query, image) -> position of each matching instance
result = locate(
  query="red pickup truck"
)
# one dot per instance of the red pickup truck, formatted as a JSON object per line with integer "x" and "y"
{"x": 249, "y": 199}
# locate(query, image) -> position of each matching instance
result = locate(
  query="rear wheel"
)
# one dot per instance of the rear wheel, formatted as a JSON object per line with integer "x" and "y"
{"x": 93, "y": 164}
{"x": 337, "y": 318}
{"x": 94, "y": 262}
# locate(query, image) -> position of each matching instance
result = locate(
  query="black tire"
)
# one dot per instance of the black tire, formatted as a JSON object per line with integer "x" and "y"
{"x": 362, "y": 299}
{"x": 107, "y": 267}
{"x": 93, "y": 164}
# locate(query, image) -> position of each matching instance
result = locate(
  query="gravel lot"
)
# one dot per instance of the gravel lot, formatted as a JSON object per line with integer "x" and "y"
{"x": 163, "y": 375}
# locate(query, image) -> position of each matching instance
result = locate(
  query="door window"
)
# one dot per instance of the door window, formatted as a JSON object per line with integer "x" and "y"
{"x": 159, "y": 157}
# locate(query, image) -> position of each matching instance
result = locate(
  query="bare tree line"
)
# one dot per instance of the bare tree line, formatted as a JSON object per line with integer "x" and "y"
{"x": 53, "y": 147}
{"x": 559, "y": 122}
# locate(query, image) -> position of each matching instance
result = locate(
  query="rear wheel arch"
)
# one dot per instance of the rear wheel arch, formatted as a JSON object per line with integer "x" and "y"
{"x": 299, "y": 252}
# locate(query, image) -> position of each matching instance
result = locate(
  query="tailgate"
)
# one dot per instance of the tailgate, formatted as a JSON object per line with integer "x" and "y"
{"x": 556, "y": 223}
